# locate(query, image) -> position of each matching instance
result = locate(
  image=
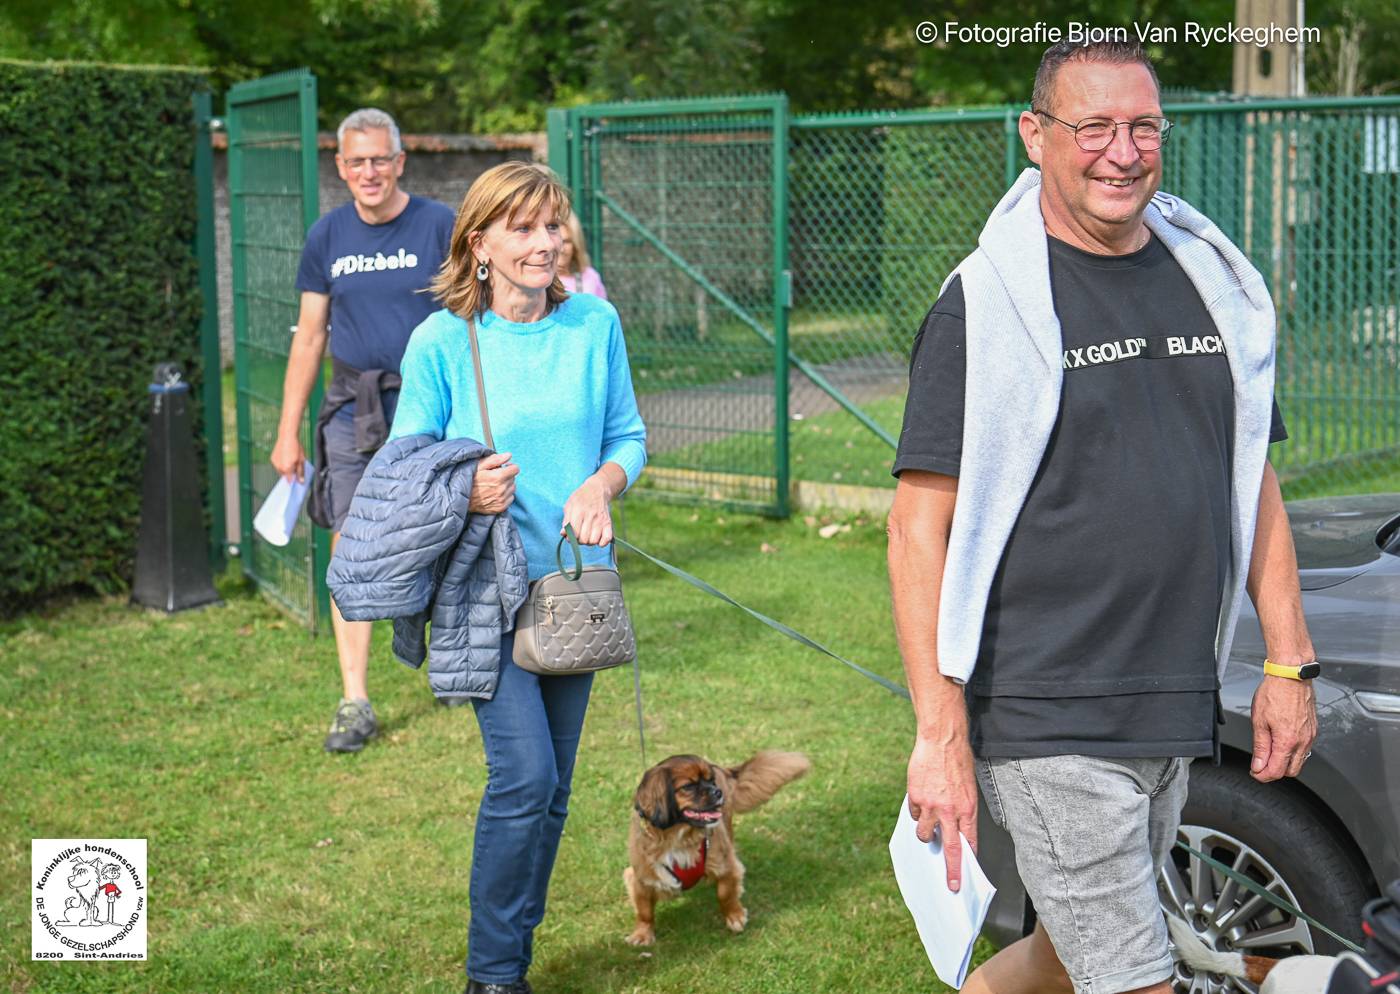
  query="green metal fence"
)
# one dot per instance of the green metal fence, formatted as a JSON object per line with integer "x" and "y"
{"x": 271, "y": 126}
{"x": 684, "y": 207}
{"x": 682, "y": 198}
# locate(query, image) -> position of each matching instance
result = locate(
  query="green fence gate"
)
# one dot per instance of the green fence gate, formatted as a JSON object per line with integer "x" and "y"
{"x": 272, "y": 182}
{"x": 677, "y": 199}
{"x": 684, "y": 206}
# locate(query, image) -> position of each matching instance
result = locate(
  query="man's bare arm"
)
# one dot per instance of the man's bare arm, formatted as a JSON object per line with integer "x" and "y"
{"x": 303, "y": 367}
{"x": 942, "y": 783}
{"x": 1284, "y": 711}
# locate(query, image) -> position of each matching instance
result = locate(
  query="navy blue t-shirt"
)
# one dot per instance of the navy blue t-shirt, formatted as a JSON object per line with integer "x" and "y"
{"x": 372, "y": 273}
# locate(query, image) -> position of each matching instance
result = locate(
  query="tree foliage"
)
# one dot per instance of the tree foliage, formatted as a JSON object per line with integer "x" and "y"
{"x": 496, "y": 65}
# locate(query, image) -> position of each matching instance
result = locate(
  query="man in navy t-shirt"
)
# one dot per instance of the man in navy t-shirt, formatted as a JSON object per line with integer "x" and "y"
{"x": 363, "y": 272}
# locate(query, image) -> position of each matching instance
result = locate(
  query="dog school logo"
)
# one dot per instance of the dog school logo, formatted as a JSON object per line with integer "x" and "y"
{"x": 89, "y": 899}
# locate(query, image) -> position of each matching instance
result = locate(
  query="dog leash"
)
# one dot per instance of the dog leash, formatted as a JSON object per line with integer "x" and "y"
{"x": 636, "y": 664}
{"x": 777, "y": 626}
{"x": 1273, "y": 899}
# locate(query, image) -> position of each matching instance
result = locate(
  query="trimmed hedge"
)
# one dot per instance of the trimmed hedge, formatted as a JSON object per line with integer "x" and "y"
{"x": 98, "y": 283}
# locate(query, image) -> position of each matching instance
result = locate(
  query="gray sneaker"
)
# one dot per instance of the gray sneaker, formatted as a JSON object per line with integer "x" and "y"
{"x": 353, "y": 726}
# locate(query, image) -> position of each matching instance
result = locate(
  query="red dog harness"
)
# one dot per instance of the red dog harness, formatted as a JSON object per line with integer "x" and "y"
{"x": 689, "y": 876}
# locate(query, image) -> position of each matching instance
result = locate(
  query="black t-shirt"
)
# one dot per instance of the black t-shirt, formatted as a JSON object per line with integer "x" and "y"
{"x": 1099, "y": 636}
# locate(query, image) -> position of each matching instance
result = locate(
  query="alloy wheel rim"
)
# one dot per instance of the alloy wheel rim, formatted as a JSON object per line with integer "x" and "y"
{"x": 1225, "y": 915}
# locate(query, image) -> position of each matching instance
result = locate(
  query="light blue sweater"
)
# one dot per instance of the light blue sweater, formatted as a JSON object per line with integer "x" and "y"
{"x": 1014, "y": 374}
{"x": 559, "y": 394}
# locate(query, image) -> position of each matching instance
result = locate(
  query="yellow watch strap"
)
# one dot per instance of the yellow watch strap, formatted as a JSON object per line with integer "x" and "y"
{"x": 1287, "y": 672}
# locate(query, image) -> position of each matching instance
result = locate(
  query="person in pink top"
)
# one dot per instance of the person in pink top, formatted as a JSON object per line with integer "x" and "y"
{"x": 574, "y": 271}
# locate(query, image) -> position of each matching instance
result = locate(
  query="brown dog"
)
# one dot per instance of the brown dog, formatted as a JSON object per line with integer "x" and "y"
{"x": 683, "y": 830}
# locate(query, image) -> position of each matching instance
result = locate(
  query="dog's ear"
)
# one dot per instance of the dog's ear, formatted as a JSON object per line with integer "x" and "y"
{"x": 655, "y": 799}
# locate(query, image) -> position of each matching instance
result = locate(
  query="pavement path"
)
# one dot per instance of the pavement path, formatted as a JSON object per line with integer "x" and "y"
{"x": 677, "y": 418}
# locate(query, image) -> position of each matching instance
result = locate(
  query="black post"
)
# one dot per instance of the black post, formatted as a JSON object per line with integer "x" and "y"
{"x": 172, "y": 552}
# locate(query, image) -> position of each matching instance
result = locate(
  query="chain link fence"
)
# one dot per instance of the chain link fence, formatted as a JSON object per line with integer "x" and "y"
{"x": 682, "y": 204}
{"x": 878, "y": 210}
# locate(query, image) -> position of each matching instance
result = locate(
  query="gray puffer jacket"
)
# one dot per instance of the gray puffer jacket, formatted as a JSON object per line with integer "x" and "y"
{"x": 410, "y": 551}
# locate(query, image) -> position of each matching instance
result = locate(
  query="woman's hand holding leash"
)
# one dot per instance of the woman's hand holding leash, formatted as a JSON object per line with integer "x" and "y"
{"x": 588, "y": 507}
{"x": 493, "y": 490}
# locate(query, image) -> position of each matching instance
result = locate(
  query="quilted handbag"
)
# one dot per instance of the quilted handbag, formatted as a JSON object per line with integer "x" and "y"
{"x": 573, "y": 621}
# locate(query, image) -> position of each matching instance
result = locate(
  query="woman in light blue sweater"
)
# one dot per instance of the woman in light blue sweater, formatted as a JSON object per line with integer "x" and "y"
{"x": 569, "y": 439}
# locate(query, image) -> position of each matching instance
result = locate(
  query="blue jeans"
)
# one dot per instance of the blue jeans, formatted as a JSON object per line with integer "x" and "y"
{"x": 530, "y": 731}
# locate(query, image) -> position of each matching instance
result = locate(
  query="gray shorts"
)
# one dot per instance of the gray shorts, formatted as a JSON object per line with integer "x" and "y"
{"x": 345, "y": 464}
{"x": 1091, "y": 833}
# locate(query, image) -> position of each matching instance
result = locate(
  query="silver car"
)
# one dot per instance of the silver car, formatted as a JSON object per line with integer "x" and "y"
{"x": 1327, "y": 841}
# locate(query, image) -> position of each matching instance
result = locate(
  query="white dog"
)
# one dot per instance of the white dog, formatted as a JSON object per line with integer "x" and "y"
{"x": 1293, "y": 975}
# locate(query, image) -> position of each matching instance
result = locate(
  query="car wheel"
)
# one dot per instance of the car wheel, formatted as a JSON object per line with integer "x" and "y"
{"x": 1271, "y": 836}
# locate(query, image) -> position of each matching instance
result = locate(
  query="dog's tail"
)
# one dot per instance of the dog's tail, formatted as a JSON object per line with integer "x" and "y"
{"x": 761, "y": 777}
{"x": 1202, "y": 959}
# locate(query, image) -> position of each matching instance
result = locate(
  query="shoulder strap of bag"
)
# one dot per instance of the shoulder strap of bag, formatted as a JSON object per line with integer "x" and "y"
{"x": 480, "y": 383}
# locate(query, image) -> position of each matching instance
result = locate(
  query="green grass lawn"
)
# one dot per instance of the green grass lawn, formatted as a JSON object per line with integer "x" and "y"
{"x": 276, "y": 867}
{"x": 1376, "y": 477}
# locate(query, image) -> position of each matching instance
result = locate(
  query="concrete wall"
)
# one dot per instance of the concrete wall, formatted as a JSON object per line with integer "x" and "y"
{"x": 1275, "y": 71}
{"x": 438, "y": 166}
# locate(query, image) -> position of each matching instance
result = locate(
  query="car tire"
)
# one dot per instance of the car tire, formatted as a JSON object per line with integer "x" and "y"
{"x": 1273, "y": 835}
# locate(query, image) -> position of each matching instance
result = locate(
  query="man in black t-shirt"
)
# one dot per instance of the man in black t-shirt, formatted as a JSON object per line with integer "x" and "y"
{"x": 1083, "y": 488}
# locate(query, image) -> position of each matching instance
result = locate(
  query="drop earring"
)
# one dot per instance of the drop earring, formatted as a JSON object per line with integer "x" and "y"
{"x": 482, "y": 272}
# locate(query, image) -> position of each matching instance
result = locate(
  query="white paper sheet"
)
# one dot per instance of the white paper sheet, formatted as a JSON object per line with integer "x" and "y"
{"x": 277, "y": 517}
{"x": 948, "y": 923}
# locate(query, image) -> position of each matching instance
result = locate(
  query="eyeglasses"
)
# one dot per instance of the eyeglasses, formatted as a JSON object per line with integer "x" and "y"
{"x": 379, "y": 162}
{"x": 1094, "y": 134}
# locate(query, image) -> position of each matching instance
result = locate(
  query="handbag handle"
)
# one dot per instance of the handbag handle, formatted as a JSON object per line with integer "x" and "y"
{"x": 572, "y": 539}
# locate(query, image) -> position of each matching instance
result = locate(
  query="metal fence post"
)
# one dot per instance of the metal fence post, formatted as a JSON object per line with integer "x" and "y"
{"x": 595, "y": 210}
{"x": 576, "y": 179}
{"x": 311, "y": 210}
{"x": 204, "y": 125}
{"x": 782, "y": 302}
{"x": 241, "y": 380}
{"x": 557, "y": 129}
{"x": 1013, "y": 145}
